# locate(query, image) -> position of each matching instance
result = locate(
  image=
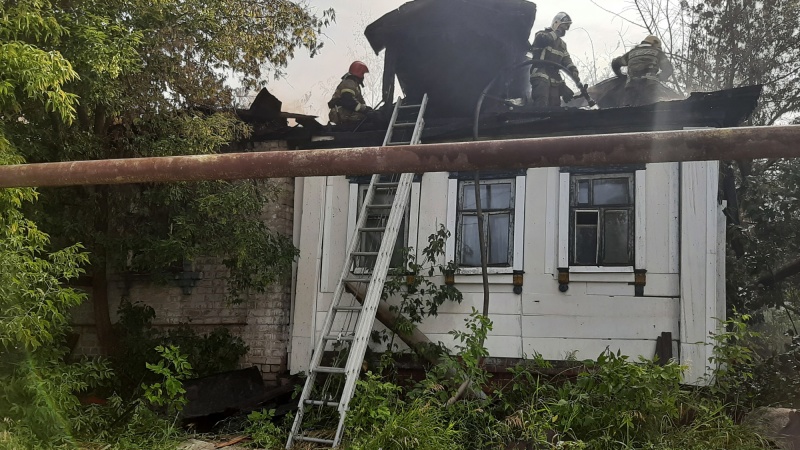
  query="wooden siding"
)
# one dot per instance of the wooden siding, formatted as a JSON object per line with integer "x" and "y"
{"x": 599, "y": 311}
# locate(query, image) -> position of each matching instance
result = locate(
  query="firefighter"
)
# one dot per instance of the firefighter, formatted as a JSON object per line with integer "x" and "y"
{"x": 648, "y": 66}
{"x": 347, "y": 104}
{"x": 547, "y": 86}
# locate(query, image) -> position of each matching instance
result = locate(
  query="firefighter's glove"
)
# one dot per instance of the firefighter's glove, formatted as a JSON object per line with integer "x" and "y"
{"x": 566, "y": 94}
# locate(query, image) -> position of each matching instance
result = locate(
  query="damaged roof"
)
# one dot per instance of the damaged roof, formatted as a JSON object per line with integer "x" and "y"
{"x": 452, "y": 49}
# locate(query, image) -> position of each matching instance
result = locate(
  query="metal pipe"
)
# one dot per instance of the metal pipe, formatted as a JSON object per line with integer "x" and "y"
{"x": 594, "y": 150}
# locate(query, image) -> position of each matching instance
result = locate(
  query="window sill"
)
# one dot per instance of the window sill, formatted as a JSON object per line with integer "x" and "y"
{"x": 600, "y": 269}
{"x": 489, "y": 270}
{"x": 494, "y": 279}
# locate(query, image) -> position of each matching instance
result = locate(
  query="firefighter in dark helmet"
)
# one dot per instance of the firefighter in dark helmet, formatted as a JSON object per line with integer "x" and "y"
{"x": 648, "y": 66}
{"x": 547, "y": 85}
{"x": 347, "y": 104}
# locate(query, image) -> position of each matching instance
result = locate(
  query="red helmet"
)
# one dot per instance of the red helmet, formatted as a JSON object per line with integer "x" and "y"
{"x": 358, "y": 69}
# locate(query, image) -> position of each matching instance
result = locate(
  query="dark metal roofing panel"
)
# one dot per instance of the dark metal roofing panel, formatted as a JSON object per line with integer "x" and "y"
{"x": 451, "y": 49}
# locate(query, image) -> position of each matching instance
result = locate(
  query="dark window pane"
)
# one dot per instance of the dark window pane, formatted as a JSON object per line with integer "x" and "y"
{"x": 611, "y": 191}
{"x": 499, "y": 239}
{"x": 586, "y": 238}
{"x": 469, "y": 251}
{"x": 493, "y": 196}
{"x": 469, "y": 196}
{"x": 371, "y": 241}
{"x": 583, "y": 192}
{"x": 586, "y": 217}
{"x": 615, "y": 237}
{"x": 500, "y": 196}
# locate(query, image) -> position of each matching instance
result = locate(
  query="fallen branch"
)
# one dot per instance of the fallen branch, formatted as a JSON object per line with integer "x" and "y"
{"x": 233, "y": 441}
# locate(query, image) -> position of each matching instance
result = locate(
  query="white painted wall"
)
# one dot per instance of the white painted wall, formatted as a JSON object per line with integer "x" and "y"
{"x": 598, "y": 311}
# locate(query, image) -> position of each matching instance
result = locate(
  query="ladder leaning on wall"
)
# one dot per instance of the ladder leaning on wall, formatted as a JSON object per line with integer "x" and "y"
{"x": 348, "y": 324}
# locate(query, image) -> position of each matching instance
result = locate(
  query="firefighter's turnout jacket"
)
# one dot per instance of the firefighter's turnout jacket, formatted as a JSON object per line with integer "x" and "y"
{"x": 648, "y": 66}
{"x": 547, "y": 85}
{"x": 347, "y": 104}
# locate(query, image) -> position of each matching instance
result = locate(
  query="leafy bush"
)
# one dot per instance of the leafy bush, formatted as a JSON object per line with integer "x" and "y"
{"x": 173, "y": 368}
{"x": 617, "y": 401}
{"x": 262, "y": 430}
{"x": 417, "y": 425}
{"x": 216, "y": 352}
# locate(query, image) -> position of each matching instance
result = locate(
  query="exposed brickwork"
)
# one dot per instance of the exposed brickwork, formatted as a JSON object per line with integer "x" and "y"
{"x": 262, "y": 320}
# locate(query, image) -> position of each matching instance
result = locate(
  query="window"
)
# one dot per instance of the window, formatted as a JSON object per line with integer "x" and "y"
{"x": 502, "y": 198}
{"x": 497, "y": 205}
{"x": 601, "y": 220}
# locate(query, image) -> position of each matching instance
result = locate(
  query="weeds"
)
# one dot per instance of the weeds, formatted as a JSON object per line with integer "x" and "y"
{"x": 263, "y": 431}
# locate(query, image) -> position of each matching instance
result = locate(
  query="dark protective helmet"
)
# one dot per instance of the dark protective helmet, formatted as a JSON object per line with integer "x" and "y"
{"x": 561, "y": 20}
{"x": 652, "y": 40}
{"x": 358, "y": 69}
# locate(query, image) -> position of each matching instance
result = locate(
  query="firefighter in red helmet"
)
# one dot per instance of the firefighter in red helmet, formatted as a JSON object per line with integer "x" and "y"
{"x": 347, "y": 104}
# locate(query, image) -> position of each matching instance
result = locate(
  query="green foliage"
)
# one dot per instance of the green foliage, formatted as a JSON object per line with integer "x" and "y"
{"x": 617, "y": 401}
{"x": 263, "y": 431}
{"x": 173, "y": 368}
{"x": 471, "y": 349}
{"x": 372, "y": 405}
{"x": 131, "y": 78}
{"x": 215, "y": 352}
{"x": 420, "y": 294}
{"x": 37, "y": 388}
{"x": 416, "y": 425}
{"x": 733, "y": 364}
{"x": 30, "y": 73}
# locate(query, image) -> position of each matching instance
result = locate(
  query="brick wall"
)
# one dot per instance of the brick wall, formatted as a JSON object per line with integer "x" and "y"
{"x": 198, "y": 298}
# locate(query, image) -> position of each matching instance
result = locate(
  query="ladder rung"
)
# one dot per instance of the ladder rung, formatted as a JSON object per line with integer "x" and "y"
{"x": 409, "y": 106}
{"x": 386, "y": 206}
{"x": 386, "y": 184}
{"x": 334, "y": 370}
{"x": 356, "y": 280}
{"x": 314, "y": 440}
{"x": 404, "y": 124}
{"x": 347, "y": 308}
{"x": 336, "y": 337}
{"x": 372, "y": 229}
{"x": 365, "y": 253}
{"x": 390, "y": 144}
{"x": 321, "y": 403}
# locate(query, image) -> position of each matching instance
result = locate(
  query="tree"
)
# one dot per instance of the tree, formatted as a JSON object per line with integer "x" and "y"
{"x": 721, "y": 44}
{"x": 37, "y": 389}
{"x": 151, "y": 80}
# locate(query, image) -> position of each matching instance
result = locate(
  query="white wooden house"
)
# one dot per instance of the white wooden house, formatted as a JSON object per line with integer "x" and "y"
{"x": 609, "y": 258}
{"x": 612, "y": 258}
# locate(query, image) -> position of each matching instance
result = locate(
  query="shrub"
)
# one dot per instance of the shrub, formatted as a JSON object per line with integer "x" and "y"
{"x": 216, "y": 352}
{"x": 263, "y": 431}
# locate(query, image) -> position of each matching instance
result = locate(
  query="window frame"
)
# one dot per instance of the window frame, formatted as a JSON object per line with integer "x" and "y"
{"x": 516, "y": 240}
{"x": 565, "y": 210}
{"x": 600, "y": 212}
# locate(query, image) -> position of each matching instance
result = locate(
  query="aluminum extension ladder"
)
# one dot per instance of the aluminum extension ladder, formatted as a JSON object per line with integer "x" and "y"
{"x": 348, "y": 324}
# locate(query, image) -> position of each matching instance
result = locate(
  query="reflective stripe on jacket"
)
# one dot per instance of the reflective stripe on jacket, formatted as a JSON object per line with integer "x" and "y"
{"x": 348, "y": 85}
{"x": 645, "y": 61}
{"x": 548, "y": 46}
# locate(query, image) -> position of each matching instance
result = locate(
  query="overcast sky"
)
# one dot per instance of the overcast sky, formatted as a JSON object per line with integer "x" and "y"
{"x": 595, "y": 36}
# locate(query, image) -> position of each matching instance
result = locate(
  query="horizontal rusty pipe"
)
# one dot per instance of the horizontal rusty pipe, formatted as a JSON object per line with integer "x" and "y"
{"x": 594, "y": 150}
